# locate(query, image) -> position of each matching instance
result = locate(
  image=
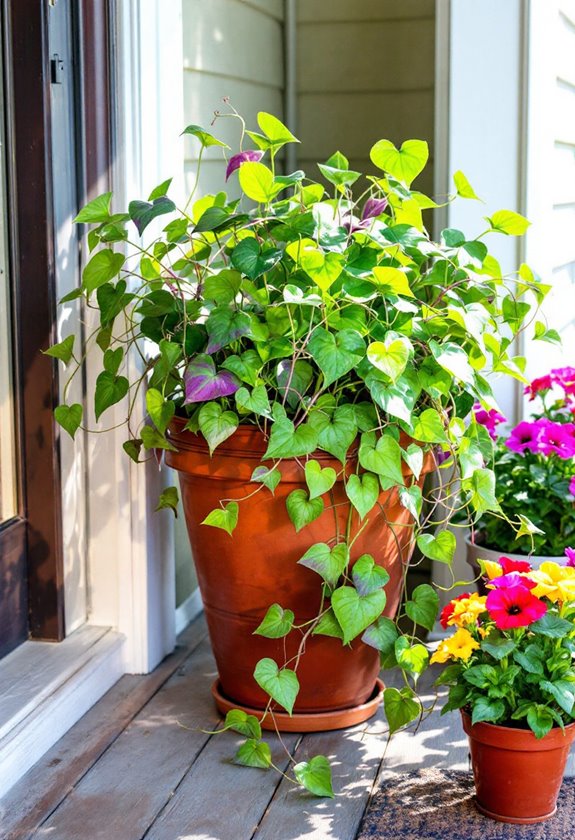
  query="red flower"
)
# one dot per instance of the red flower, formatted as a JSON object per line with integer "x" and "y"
{"x": 514, "y": 606}
{"x": 447, "y": 611}
{"x": 509, "y": 565}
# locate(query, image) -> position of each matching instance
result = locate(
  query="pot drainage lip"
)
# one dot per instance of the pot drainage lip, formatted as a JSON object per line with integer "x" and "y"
{"x": 306, "y": 721}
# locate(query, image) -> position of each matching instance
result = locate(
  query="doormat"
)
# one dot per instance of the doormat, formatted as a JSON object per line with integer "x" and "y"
{"x": 436, "y": 804}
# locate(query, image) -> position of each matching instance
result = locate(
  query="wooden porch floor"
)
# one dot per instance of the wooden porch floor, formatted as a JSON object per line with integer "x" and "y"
{"x": 139, "y": 766}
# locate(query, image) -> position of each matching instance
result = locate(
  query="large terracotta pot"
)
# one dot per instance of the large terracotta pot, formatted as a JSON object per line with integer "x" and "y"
{"x": 476, "y": 552}
{"x": 241, "y": 576}
{"x": 517, "y": 776}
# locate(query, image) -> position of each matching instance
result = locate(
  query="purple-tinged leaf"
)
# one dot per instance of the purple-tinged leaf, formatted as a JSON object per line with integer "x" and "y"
{"x": 225, "y": 325}
{"x": 201, "y": 382}
{"x": 253, "y": 155}
{"x": 373, "y": 207}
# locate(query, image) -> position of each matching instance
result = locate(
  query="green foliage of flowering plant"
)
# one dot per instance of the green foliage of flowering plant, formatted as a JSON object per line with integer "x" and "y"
{"x": 534, "y": 467}
{"x": 511, "y": 656}
{"x": 325, "y": 315}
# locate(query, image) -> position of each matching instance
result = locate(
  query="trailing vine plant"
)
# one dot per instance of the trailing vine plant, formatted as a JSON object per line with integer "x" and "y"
{"x": 324, "y": 314}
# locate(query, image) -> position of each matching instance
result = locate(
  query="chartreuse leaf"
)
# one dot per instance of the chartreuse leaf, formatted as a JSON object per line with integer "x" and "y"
{"x": 69, "y": 417}
{"x": 110, "y": 390}
{"x": 276, "y": 623}
{"x": 393, "y": 280}
{"x": 355, "y": 612}
{"x": 328, "y": 625}
{"x": 423, "y": 605}
{"x": 225, "y": 518}
{"x": 319, "y": 481}
{"x": 257, "y": 181}
{"x": 463, "y": 187}
{"x": 429, "y": 427}
{"x": 62, "y": 351}
{"x": 329, "y": 563}
{"x": 440, "y": 547}
{"x": 454, "y": 359}
{"x": 96, "y": 211}
{"x": 367, "y": 575}
{"x": 275, "y": 131}
{"x": 302, "y": 510}
{"x": 215, "y": 424}
{"x": 508, "y": 222}
{"x": 205, "y": 138}
{"x": 381, "y": 635}
{"x": 270, "y": 477}
{"x": 282, "y": 685}
{"x": 412, "y": 658}
{"x": 160, "y": 410}
{"x": 169, "y": 498}
{"x": 390, "y": 356}
{"x": 382, "y": 456}
{"x": 101, "y": 268}
{"x": 400, "y": 707}
{"x": 363, "y": 492}
{"x": 405, "y": 163}
{"x": 336, "y": 353}
{"x": 254, "y": 753}
{"x": 240, "y": 721}
{"x": 315, "y": 776}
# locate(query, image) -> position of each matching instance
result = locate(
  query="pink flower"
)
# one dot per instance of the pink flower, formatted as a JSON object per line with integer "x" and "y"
{"x": 543, "y": 383}
{"x": 514, "y": 606}
{"x": 572, "y": 485}
{"x": 565, "y": 378}
{"x": 523, "y": 436}
{"x": 556, "y": 438}
{"x": 490, "y": 419}
{"x": 251, "y": 155}
{"x": 511, "y": 580}
{"x": 508, "y": 565}
{"x": 570, "y": 555}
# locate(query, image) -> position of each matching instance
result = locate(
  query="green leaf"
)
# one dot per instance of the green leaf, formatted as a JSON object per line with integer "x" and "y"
{"x": 246, "y": 367}
{"x": 254, "y": 753}
{"x": 383, "y": 458}
{"x": 411, "y": 499}
{"x": 481, "y": 676}
{"x": 215, "y": 424}
{"x": 101, "y": 268}
{"x": 329, "y": 563}
{"x": 486, "y": 709}
{"x": 239, "y": 721}
{"x": 381, "y": 635}
{"x": 226, "y": 518}
{"x": 440, "y": 547}
{"x": 315, "y": 776}
{"x": 153, "y": 439}
{"x": 563, "y": 693}
{"x": 270, "y": 477}
{"x": 96, "y": 211}
{"x": 412, "y": 658}
{"x": 169, "y": 498}
{"x": 160, "y": 190}
{"x": 328, "y": 625}
{"x": 463, "y": 187}
{"x": 405, "y": 163}
{"x": 339, "y": 177}
{"x": 302, "y": 510}
{"x": 281, "y": 685}
{"x": 288, "y": 442}
{"x": 390, "y": 356}
{"x": 144, "y": 212}
{"x": 355, "y": 612}
{"x": 249, "y": 258}
{"x": 256, "y": 401}
{"x": 319, "y": 481}
{"x": 275, "y": 131}
{"x": 530, "y": 660}
{"x": 335, "y": 434}
{"x": 336, "y": 354}
{"x": 400, "y": 707}
{"x": 257, "y": 181}
{"x": 363, "y": 492}
{"x": 63, "y": 351}
{"x": 508, "y": 222}
{"x": 423, "y": 606}
{"x": 69, "y": 417}
{"x": 222, "y": 287}
{"x": 454, "y": 359}
{"x": 552, "y": 626}
{"x": 213, "y": 218}
{"x": 205, "y": 138}
{"x": 368, "y": 576}
{"x": 113, "y": 360}
{"x": 413, "y": 457}
{"x": 132, "y": 448}
{"x": 498, "y": 647}
{"x": 393, "y": 280}
{"x": 225, "y": 325}
{"x": 160, "y": 410}
{"x": 429, "y": 427}
{"x": 481, "y": 487}
{"x": 276, "y": 623}
{"x": 110, "y": 390}
{"x": 540, "y": 720}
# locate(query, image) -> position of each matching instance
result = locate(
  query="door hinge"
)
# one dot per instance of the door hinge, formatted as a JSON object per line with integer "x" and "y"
{"x": 56, "y": 69}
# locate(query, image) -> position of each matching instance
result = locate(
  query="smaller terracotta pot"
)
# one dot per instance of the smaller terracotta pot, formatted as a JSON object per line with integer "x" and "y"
{"x": 517, "y": 776}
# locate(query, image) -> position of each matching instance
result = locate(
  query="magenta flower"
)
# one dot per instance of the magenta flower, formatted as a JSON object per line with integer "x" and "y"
{"x": 373, "y": 207}
{"x": 570, "y": 555}
{"x": 514, "y": 606}
{"x": 572, "y": 485}
{"x": 490, "y": 419}
{"x": 524, "y": 436}
{"x": 543, "y": 383}
{"x": 556, "y": 438}
{"x": 253, "y": 155}
{"x": 565, "y": 378}
{"x": 510, "y": 580}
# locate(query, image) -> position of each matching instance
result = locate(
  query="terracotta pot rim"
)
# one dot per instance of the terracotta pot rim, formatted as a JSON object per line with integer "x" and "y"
{"x": 524, "y": 738}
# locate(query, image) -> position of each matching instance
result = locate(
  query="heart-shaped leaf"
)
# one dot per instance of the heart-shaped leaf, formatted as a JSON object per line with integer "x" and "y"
{"x": 440, "y": 547}
{"x": 423, "y": 605}
{"x": 367, "y": 575}
{"x": 315, "y": 775}
{"x": 169, "y": 499}
{"x": 390, "y": 356}
{"x": 319, "y": 481}
{"x": 356, "y": 612}
{"x": 215, "y": 424}
{"x": 62, "y": 351}
{"x": 69, "y": 417}
{"x": 282, "y": 685}
{"x": 382, "y": 456}
{"x": 257, "y": 181}
{"x": 225, "y": 518}
{"x": 270, "y": 477}
{"x": 405, "y": 163}
{"x": 454, "y": 359}
{"x": 336, "y": 354}
{"x": 429, "y": 427}
{"x": 153, "y": 439}
{"x": 101, "y": 268}
{"x": 201, "y": 382}
{"x": 254, "y": 753}
{"x": 400, "y": 707}
{"x": 249, "y": 258}
{"x": 412, "y": 658}
{"x": 143, "y": 212}
{"x": 240, "y": 721}
{"x": 363, "y": 492}
{"x": 381, "y": 635}
{"x": 288, "y": 442}
{"x": 302, "y": 510}
{"x": 411, "y": 499}
{"x": 413, "y": 457}
{"x": 246, "y": 367}
{"x": 294, "y": 379}
{"x": 393, "y": 280}
{"x": 96, "y": 211}
{"x": 336, "y": 433}
{"x": 256, "y": 401}
{"x": 276, "y": 623}
{"x": 160, "y": 410}
{"x": 329, "y": 563}
{"x": 225, "y": 325}
{"x": 222, "y": 287}
{"x": 205, "y": 138}
{"x": 110, "y": 390}
{"x": 328, "y": 625}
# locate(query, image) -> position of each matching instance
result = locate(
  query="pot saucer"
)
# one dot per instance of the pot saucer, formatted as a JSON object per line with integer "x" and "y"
{"x": 306, "y": 721}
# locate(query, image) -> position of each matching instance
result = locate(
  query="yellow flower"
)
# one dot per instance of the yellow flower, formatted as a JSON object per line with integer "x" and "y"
{"x": 553, "y": 581}
{"x": 491, "y": 569}
{"x": 467, "y": 610}
{"x": 460, "y": 646}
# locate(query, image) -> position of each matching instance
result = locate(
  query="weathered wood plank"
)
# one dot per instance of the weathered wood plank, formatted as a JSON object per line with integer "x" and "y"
{"x": 219, "y": 800}
{"x": 129, "y": 785}
{"x": 47, "y": 784}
